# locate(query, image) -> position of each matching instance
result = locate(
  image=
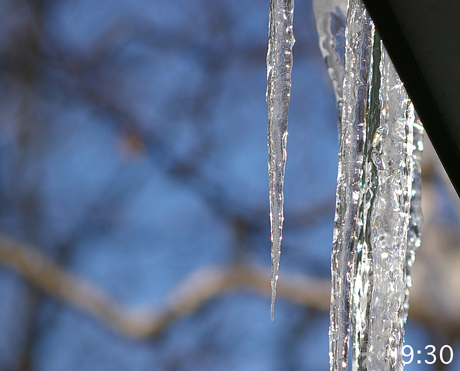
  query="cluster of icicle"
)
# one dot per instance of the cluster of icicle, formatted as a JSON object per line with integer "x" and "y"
{"x": 378, "y": 205}
{"x": 279, "y": 67}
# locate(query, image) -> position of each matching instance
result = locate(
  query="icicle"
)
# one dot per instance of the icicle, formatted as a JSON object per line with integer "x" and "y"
{"x": 351, "y": 151}
{"x": 377, "y": 223}
{"x": 362, "y": 276}
{"x": 380, "y": 284}
{"x": 279, "y": 66}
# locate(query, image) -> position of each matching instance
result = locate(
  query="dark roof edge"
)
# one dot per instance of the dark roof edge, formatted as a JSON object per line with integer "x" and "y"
{"x": 408, "y": 69}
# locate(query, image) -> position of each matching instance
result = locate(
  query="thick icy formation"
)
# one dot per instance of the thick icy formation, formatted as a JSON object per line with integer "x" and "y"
{"x": 279, "y": 67}
{"x": 380, "y": 285}
{"x": 378, "y": 216}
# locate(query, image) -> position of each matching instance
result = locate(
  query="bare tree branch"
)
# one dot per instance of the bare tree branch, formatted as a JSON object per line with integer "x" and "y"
{"x": 200, "y": 287}
{"x": 196, "y": 290}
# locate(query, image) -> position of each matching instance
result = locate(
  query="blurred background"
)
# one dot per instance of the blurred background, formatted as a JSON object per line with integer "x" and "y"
{"x": 134, "y": 228}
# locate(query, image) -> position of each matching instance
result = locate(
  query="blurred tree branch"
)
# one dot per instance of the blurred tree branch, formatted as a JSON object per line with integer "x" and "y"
{"x": 200, "y": 287}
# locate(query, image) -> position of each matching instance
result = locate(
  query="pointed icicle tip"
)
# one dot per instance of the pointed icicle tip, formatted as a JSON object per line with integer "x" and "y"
{"x": 274, "y": 281}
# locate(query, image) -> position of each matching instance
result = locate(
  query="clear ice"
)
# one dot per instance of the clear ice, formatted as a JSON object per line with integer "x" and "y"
{"x": 378, "y": 214}
{"x": 380, "y": 286}
{"x": 356, "y": 88}
{"x": 331, "y": 20}
{"x": 416, "y": 216}
{"x": 279, "y": 67}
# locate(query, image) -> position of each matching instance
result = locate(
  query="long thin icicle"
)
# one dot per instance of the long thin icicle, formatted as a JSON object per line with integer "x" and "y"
{"x": 279, "y": 67}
